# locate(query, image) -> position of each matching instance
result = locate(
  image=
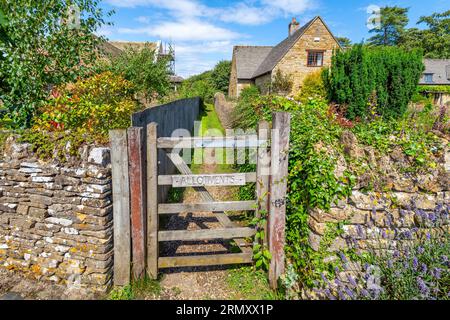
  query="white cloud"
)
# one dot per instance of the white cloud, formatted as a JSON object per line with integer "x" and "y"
{"x": 194, "y": 26}
{"x": 187, "y": 30}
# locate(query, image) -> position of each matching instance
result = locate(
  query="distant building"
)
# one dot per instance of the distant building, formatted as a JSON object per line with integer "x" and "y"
{"x": 437, "y": 73}
{"x": 307, "y": 49}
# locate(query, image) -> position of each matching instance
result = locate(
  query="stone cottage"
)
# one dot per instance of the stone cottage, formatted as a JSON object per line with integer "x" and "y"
{"x": 437, "y": 73}
{"x": 306, "y": 50}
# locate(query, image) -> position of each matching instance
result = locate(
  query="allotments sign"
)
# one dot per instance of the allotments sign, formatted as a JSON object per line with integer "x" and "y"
{"x": 212, "y": 180}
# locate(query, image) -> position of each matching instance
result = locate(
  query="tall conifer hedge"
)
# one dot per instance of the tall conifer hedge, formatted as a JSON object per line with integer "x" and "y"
{"x": 363, "y": 80}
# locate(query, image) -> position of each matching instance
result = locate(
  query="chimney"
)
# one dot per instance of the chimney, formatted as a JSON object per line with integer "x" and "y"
{"x": 293, "y": 26}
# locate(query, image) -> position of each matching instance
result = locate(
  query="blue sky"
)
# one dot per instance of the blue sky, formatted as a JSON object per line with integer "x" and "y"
{"x": 204, "y": 32}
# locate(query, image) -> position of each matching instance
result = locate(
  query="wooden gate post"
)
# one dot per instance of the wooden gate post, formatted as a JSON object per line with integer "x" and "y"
{"x": 262, "y": 174}
{"x": 137, "y": 172}
{"x": 152, "y": 201}
{"x": 278, "y": 189}
{"x": 121, "y": 207}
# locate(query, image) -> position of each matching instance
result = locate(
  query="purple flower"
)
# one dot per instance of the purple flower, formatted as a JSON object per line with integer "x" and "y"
{"x": 360, "y": 231}
{"x": 415, "y": 263}
{"x": 432, "y": 217}
{"x": 428, "y": 236}
{"x": 329, "y": 295}
{"x": 421, "y": 250}
{"x": 396, "y": 254}
{"x": 352, "y": 281}
{"x": 424, "y": 268}
{"x": 350, "y": 293}
{"x": 437, "y": 273}
{"x": 341, "y": 295}
{"x": 365, "y": 293}
{"x": 343, "y": 257}
{"x": 324, "y": 278}
{"x": 390, "y": 264}
{"x": 402, "y": 213}
{"x": 336, "y": 269}
{"x": 422, "y": 287}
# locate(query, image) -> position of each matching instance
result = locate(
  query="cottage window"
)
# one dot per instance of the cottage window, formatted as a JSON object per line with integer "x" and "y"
{"x": 315, "y": 58}
{"x": 428, "y": 78}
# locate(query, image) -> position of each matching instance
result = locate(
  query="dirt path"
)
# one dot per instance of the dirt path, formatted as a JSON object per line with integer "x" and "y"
{"x": 197, "y": 283}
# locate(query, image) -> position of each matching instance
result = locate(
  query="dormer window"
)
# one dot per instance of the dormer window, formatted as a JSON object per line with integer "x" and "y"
{"x": 428, "y": 78}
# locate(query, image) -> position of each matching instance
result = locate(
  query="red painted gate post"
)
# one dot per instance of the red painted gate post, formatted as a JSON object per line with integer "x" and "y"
{"x": 278, "y": 189}
{"x": 137, "y": 173}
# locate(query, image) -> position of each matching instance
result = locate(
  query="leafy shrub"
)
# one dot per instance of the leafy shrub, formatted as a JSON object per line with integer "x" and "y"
{"x": 150, "y": 77}
{"x": 282, "y": 83}
{"x": 220, "y": 76}
{"x": 199, "y": 86}
{"x": 312, "y": 88}
{"x": 96, "y": 105}
{"x": 41, "y": 51}
{"x": 244, "y": 115}
{"x": 433, "y": 89}
{"x": 387, "y": 73}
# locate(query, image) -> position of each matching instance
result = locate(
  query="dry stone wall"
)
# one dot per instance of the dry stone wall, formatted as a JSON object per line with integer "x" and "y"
{"x": 56, "y": 219}
{"x": 409, "y": 205}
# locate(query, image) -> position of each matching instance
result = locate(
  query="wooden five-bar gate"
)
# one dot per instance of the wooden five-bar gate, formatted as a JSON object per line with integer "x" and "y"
{"x": 138, "y": 206}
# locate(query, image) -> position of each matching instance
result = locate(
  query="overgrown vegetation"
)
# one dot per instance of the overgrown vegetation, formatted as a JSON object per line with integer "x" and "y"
{"x": 315, "y": 150}
{"x": 282, "y": 83}
{"x": 418, "y": 270}
{"x": 312, "y": 88}
{"x": 149, "y": 76}
{"x": 81, "y": 113}
{"x": 207, "y": 84}
{"x": 42, "y": 52}
{"x": 373, "y": 81}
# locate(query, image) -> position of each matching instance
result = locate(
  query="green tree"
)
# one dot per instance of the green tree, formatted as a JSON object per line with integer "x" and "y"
{"x": 393, "y": 23}
{"x": 435, "y": 40}
{"x": 365, "y": 80}
{"x": 139, "y": 66}
{"x": 220, "y": 76}
{"x": 344, "y": 42}
{"x": 49, "y": 44}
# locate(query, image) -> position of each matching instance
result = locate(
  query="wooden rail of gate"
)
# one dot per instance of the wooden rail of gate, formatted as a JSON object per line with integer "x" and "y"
{"x": 137, "y": 211}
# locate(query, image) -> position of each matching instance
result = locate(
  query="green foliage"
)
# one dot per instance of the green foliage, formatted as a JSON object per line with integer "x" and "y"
{"x": 150, "y": 77}
{"x": 433, "y": 40}
{"x": 220, "y": 76}
{"x": 433, "y": 89}
{"x": 81, "y": 113}
{"x": 42, "y": 51}
{"x": 344, "y": 42}
{"x": 314, "y": 152}
{"x": 312, "y": 88}
{"x": 96, "y": 104}
{"x": 393, "y": 23}
{"x": 207, "y": 84}
{"x": 282, "y": 83}
{"x": 388, "y": 75}
{"x": 250, "y": 285}
{"x": 244, "y": 115}
{"x": 199, "y": 86}
{"x": 138, "y": 290}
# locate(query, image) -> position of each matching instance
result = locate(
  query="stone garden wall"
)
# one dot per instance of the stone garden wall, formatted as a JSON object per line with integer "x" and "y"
{"x": 385, "y": 218}
{"x": 56, "y": 219}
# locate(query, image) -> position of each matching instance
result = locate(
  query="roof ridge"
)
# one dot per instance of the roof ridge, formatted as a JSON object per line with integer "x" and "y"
{"x": 283, "y": 47}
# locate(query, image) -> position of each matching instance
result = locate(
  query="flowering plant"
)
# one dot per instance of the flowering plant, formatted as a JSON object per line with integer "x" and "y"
{"x": 401, "y": 264}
